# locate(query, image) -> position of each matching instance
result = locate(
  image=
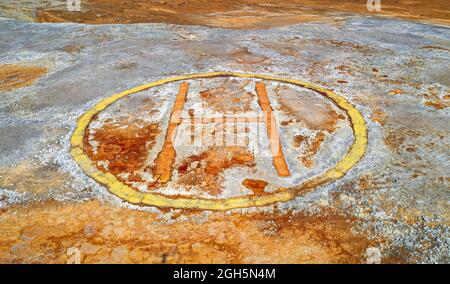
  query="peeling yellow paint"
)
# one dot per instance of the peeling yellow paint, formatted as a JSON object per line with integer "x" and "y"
{"x": 125, "y": 192}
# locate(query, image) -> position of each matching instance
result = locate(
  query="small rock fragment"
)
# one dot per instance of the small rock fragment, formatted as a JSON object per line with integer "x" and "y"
{"x": 255, "y": 185}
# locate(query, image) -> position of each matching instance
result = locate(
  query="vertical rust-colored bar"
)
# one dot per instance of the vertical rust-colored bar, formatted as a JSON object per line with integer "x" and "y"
{"x": 272, "y": 131}
{"x": 162, "y": 169}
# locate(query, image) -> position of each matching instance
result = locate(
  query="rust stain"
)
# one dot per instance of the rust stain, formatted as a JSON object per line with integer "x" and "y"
{"x": 225, "y": 14}
{"x": 230, "y": 13}
{"x": 312, "y": 147}
{"x": 379, "y": 117}
{"x": 205, "y": 169}
{"x": 73, "y": 48}
{"x": 436, "y": 104}
{"x": 122, "y": 147}
{"x": 287, "y": 122}
{"x": 255, "y": 185}
{"x": 14, "y": 76}
{"x": 396, "y": 92}
{"x": 272, "y": 131}
{"x": 298, "y": 140}
{"x": 162, "y": 168}
{"x": 434, "y": 47}
{"x": 394, "y": 140}
{"x": 229, "y": 96}
{"x": 107, "y": 234}
{"x": 345, "y": 70}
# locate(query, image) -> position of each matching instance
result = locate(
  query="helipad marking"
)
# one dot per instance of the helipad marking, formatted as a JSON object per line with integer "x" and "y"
{"x": 127, "y": 193}
{"x": 162, "y": 170}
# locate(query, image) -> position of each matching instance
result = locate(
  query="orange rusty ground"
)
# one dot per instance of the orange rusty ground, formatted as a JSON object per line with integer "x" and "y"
{"x": 17, "y": 76}
{"x": 123, "y": 145}
{"x": 239, "y": 14}
{"x": 210, "y": 164}
{"x": 51, "y": 231}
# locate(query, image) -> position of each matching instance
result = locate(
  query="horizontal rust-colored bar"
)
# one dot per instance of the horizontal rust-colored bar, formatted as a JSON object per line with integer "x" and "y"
{"x": 206, "y": 120}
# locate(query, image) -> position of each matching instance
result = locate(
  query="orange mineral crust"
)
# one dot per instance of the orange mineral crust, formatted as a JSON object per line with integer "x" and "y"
{"x": 255, "y": 185}
{"x": 239, "y": 14}
{"x": 17, "y": 76}
{"x": 121, "y": 148}
{"x": 92, "y": 232}
{"x": 206, "y": 169}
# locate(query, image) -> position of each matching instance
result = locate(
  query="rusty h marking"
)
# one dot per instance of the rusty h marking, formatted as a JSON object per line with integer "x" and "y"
{"x": 162, "y": 169}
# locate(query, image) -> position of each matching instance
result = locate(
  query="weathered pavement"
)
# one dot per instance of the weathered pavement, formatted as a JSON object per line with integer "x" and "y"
{"x": 395, "y": 201}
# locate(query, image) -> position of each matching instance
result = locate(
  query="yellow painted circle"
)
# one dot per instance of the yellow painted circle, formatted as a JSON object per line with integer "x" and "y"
{"x": 118, "y": 188}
